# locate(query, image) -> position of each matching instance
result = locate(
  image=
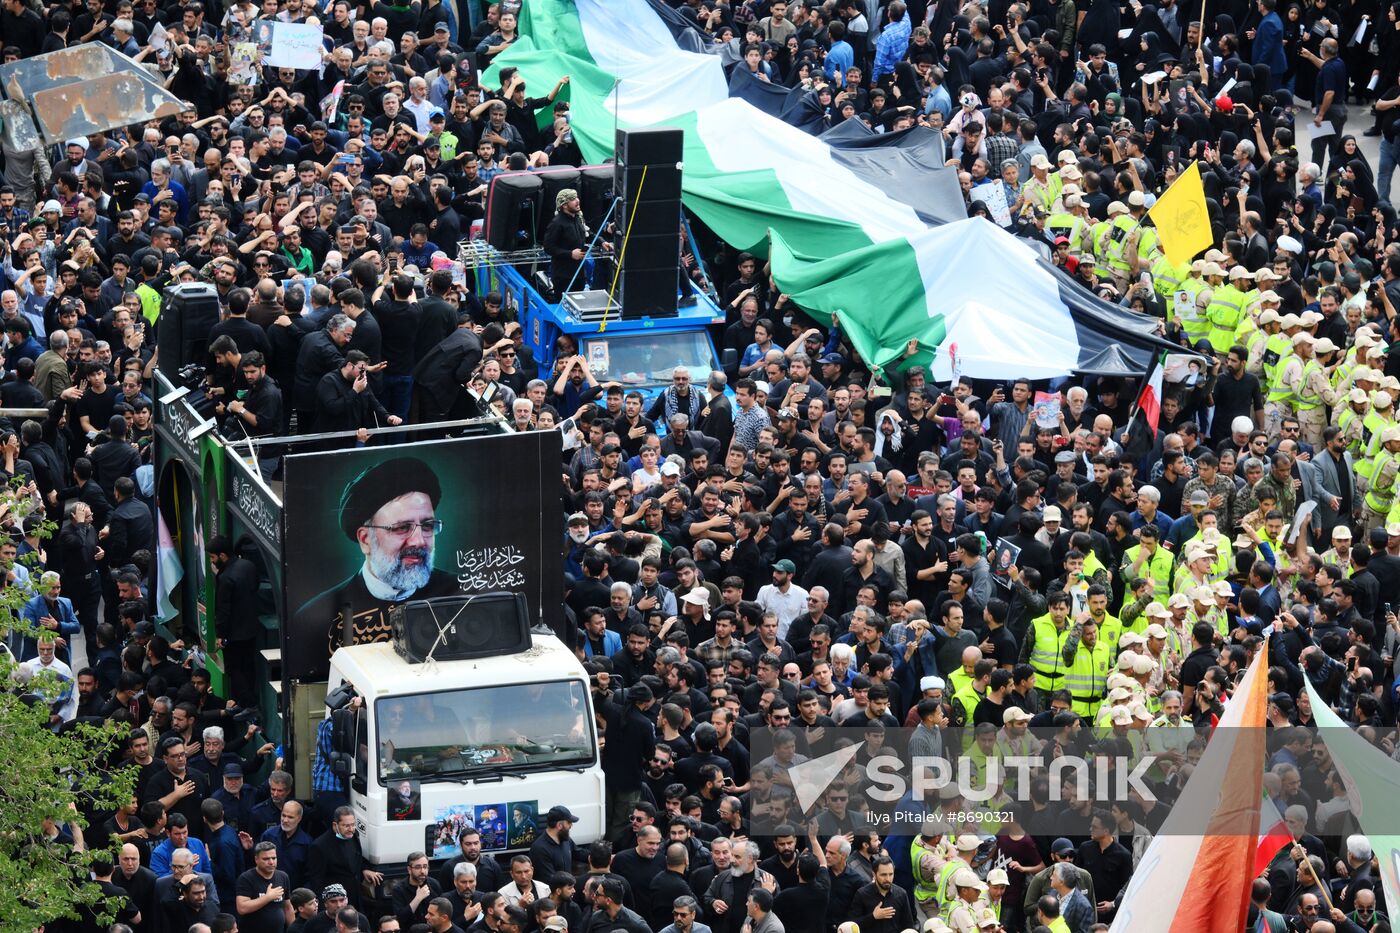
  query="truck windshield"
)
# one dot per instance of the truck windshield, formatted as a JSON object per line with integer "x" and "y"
{"x": 649, "y": 359}
{"x": 515, "y": 727}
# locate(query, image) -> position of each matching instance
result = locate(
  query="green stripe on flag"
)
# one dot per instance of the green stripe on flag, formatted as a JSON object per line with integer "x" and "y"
{"x": 554, "y": 25}
{"x": 886, "y": 274}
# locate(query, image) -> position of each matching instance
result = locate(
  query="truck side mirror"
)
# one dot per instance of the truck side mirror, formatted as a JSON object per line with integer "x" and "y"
{"x": 729, "y": 359}
{"x": 343, "y": 725}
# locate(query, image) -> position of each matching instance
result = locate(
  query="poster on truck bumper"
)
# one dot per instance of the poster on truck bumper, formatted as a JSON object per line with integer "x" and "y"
{"x": 370, "y": 527}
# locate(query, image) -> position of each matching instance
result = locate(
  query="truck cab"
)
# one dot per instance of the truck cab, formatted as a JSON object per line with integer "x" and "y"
{"x": 491, "y": 741}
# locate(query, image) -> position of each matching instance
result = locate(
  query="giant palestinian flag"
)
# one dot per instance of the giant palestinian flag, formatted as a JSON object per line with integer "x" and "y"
{"x": 863, "y": 227}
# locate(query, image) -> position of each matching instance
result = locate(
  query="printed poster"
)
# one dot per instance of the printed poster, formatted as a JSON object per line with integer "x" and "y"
{"x": 405, "y": 801}
{"x": 491, "y": 823}
{"x": 993, "y": 195}
{"x": 451, "y": 820}
{"x": 524, "y": 826}
{"x": 1047, "y": 409}
{"x": 242, "y": 66}
{"x": 1003, "y": 559}
{"x": 290, "y": 45}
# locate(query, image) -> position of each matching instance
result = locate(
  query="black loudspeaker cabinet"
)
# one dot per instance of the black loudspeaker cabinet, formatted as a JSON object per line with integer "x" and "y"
{"x": 457, "y": 628}
{"x": 553, "y": 181}
{"x": 188, "y": 313}
{"x": 647, "y": 177}
{"x": 595, "y": 191}
{"x": 512, "y": 211}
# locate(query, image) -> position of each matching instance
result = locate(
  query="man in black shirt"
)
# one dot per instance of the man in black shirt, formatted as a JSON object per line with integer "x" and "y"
{"x": 263, "y": 894}
{"x": 93, "y": 401}
{"x": 1237, "y": 393}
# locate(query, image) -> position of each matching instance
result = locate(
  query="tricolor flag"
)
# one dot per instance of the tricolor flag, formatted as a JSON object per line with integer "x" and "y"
{"x": 852, "y": 228}
{"x": 1192, "y": 879}
{"x": 171, "y": 571}
{"x": 1273, "y": 835}
{"x": 1372, "y": 780}
{"x": 1149, "y": 400}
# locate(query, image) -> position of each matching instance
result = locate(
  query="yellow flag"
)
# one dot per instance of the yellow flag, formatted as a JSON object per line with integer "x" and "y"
{"x": 1180, "y": 215}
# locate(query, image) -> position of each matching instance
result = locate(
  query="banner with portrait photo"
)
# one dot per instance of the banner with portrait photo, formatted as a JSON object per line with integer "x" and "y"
{"x": 367, "y": 528}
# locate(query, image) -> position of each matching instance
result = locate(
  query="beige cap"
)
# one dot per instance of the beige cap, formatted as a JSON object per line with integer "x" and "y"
{"x": 1365, "y": 338}
{"x": 1324, "y": 345}
{"x": 1119, "y": 681}
{"x": 1341, "y": 533}
{"x": 1198, "y": 266}
{"x": 1303, "y": 337}
{"x": 998, "y": 876}
{"x": 1363, "y": 373}
{"x": 1204, "y": 594}
{"x": 1213, "y": 268}
{"x": 1117, "y": 207}
{"x": 1179, "y": 601}
{"x": 1051, "y": 514}
{"x": 1211, "y": 537}
{"x": 1119, "y": 694}
{"x": 1240, "y": 272}
{"x": 1121, "y": 716}
{"x": 1156, "y": 631}
{"x": 1072, "y": 201}
{"x": 1014, "y": 714}
{"x": 1039, "y": 161}
{"x": 1142, "y": 664}
{"x": 987, "y": 919}
{"x": 967, "y": 843}
{"x": 1066, "y": 156}
{"x": 1267, "y": 273}
{"x": 1215, "y": 255}
{"x": 1222, "y": 588}
{"x": 1382, "y": 400}
{"x": 1140, "y": 712}
{"x": 1290, "y": 320}
{"x": 1126, "y": 660}
{"x": 1391, "y": 433}
{"x": 1195, "y": 550}
{"x": 1136, "y": 199}
{"x": 931, "y": 925}
{"x": 1309, "y": 318}
{"x": 1358, "y": 397}
{"x": 1393, "y": 529}
{"x": 1157, "y": 611}
{"x": 1128, "y": 639}
{"x": 1269, "y": 297}
{"x": 1071, "y": 171}
{"x": 1391, "y": 385}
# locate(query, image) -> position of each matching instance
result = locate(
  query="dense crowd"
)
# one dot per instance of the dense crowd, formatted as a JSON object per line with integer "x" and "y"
{"x": 784, "y": 551}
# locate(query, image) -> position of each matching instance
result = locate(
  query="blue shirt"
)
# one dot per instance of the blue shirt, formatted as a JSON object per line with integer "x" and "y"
{"x": 891, "y": 46}
{"x": 322, "y": 777}
{"x": 1332, "y": 76}
{"x": 838, "y": 59}
{"x": 160, "y": 856}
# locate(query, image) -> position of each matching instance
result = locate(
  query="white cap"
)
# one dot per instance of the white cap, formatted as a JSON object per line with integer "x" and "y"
{"x": 931, "y": 682}
{"x": 1242, "y": 425}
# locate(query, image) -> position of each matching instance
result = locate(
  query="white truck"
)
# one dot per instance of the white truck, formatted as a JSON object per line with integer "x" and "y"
{"x": 493, "y": 742}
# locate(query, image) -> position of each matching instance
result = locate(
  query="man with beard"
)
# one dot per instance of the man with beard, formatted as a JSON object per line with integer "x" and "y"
{"x": 553, "y": 851}
{"x": 388, "y": 510}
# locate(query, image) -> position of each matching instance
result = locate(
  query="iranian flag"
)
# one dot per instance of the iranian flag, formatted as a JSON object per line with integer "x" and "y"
{"x": 846, "y": 236}
{"x": 1273, "y": 835}
{"x": 1372, "y": 780}
{"x": 1191, "y": 878}
{"x": 1149, "y": 400}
